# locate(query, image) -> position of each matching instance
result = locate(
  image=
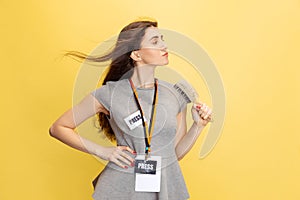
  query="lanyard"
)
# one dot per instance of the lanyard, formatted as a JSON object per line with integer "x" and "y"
{"x": 147, "y": 131}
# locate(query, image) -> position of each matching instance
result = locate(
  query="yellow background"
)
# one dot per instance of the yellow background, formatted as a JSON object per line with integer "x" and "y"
{"x": 254, "y": 44}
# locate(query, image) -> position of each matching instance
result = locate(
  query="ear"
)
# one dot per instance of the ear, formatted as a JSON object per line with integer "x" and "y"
{"x": 135, "y": 56}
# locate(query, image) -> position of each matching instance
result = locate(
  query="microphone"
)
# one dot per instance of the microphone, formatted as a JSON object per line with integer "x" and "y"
{"x": 188, "y": 93}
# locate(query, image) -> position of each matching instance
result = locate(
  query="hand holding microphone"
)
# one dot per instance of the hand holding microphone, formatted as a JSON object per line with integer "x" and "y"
{"x": 201, "y": 114}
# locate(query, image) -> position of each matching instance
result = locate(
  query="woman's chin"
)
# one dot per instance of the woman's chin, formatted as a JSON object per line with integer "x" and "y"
{"x": 164, "y": 63}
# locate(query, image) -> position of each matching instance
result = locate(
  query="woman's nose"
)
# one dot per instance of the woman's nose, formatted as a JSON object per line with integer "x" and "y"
{"x": 164, "y": 46}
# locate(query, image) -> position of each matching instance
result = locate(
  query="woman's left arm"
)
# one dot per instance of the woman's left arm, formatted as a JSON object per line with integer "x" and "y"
{"x": 184, "y": 139}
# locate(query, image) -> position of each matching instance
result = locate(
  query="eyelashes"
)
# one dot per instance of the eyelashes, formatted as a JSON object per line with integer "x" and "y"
{"x": 155, "y": 42}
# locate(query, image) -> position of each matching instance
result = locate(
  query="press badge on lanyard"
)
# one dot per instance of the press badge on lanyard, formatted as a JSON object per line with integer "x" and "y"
{"x": 147, "y": 173}
{"x": 147, "y": 167}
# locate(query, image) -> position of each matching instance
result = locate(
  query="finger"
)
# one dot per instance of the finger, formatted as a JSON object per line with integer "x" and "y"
{"x": 126, "y": 148}
{"x": 119, "y": 155}
{"x": 199, "y": 113}
{"x": 127, "y": 157}
{"x": 117, "y": 162}
{"x": 197, "y": 106}
{"x": 203, "y": 106}
{"x": 204, "y": 110}
{"x": 121, "y": 158}
{"x": 130, "y": 150}
{"x": 208, "y": 114}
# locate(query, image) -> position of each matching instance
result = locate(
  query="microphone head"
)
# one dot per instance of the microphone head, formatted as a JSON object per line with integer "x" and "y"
{"x": 187, "y": 91}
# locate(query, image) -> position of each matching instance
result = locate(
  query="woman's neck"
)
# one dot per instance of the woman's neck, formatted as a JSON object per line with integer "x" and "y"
{"x": 143, "y": 76}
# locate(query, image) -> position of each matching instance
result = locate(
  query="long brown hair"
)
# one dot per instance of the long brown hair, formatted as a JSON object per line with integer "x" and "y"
{"x": 121, "y": 64}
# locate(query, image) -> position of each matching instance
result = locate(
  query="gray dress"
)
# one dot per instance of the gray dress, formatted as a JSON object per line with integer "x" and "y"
{"x": 117, "y": 98}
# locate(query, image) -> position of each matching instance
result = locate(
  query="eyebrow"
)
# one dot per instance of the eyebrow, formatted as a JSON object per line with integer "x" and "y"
{"x": 156, "y": 36}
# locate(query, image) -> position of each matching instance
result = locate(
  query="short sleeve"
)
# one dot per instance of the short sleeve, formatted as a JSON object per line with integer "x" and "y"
{"x": 103, "y": 95}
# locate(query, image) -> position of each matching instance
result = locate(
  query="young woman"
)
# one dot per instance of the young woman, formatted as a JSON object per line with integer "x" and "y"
{"x": 146, "y": 117}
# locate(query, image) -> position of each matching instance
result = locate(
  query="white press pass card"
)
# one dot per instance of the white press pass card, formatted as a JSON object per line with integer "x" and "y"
{"x": 134, "y": 120}
{"x": 147, "y": 173}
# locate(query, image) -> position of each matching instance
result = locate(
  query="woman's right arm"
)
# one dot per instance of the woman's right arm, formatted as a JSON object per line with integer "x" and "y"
{"x": 63, "y": 129}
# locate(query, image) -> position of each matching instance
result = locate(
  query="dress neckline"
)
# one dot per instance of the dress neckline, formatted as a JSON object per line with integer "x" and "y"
{"x": 143, "y": 88}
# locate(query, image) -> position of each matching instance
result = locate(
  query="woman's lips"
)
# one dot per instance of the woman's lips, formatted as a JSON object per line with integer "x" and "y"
{"x": 165, "y": 54}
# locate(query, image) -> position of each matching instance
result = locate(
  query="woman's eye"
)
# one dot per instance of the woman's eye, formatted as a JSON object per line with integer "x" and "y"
{"x": 155, "y": 42}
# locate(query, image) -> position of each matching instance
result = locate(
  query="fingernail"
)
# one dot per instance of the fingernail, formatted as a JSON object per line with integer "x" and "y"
{"x": 132, "y": 164}
{"x": 125, "y": 167}
{"x": 134, "y": 152}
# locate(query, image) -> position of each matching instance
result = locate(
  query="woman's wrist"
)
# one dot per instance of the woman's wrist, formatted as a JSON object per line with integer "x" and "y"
{"x": 93, "y": 148}
{"x": 100, "y": 152}
{"x": 198, "y": 124}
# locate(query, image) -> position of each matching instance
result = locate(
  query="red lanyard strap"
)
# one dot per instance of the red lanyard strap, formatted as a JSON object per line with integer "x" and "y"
{"x": 147, "y": 131}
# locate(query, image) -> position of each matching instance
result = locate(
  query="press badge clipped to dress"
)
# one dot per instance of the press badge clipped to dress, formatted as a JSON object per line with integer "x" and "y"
{"x": 147, "y": 173}
{"x": 134, "y": 120}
